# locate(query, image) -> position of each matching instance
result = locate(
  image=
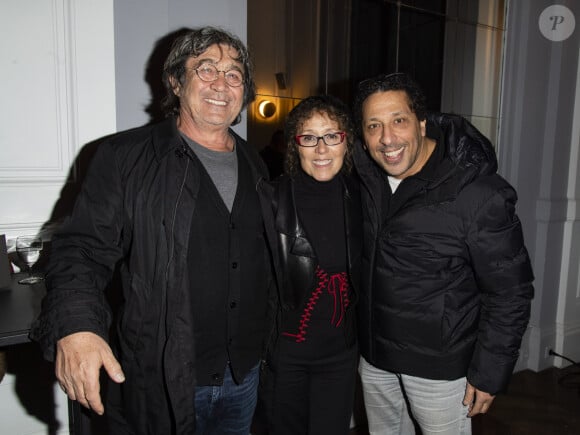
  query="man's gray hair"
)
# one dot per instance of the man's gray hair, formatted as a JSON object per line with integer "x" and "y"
{"x": 193, "y": 44}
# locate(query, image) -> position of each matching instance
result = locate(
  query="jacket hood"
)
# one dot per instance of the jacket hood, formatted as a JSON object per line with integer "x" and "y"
{"x": 464, "y": 144}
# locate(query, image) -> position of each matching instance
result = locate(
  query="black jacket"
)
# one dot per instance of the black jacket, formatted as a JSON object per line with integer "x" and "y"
{"x": 295, "y": 257}
{"x": 135, "y": 207}
{"x": 447, "y": 279}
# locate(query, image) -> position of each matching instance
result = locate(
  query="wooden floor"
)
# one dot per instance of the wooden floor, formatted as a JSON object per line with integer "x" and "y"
{"x": 542, "y": 403}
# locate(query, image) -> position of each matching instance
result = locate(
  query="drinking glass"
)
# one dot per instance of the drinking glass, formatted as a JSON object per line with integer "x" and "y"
{"x": 28, "y": 249}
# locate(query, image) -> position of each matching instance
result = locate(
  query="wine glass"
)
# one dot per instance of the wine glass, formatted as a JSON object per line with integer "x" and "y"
{"x": 28, "y": 249}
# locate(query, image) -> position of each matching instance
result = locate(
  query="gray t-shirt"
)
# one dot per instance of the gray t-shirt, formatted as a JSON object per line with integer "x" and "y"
{"x": 222, "y": 168}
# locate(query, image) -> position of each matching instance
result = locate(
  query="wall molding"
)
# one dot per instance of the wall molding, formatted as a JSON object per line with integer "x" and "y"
{"x": 42, "y": 125}
{"x": 67, "y": 72}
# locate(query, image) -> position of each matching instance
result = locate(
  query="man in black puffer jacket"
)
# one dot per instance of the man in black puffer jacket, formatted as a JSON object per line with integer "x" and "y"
{"x": 447, "y": 281}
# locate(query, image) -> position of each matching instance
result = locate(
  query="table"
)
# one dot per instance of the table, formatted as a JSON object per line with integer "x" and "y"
{"x": 19, "y": 307}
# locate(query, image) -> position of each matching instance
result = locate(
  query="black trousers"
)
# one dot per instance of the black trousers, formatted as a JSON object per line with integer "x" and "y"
{"x": 313, "y": 395}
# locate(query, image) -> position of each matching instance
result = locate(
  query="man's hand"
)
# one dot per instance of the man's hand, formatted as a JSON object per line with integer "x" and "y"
{"x": 478, "y": 401}
{"x": 79, "y": 358}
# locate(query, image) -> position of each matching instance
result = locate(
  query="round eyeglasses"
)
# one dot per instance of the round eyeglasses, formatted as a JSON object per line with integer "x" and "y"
{"x": 209, "y": 73}
{"x": 330, "y": 139}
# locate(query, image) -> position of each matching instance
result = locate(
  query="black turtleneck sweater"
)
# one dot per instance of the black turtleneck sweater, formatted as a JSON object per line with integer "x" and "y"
{"x": 321, "y": 212}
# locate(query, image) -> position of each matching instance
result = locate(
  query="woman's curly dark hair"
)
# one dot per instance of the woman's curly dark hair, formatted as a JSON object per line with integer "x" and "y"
{"x": 193, "y": 44}
{"x": 328, "y": 105}
{"x": 390, "y": 82}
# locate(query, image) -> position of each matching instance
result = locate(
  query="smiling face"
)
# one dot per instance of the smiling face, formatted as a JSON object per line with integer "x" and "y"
{"x": 210, "y": 105}
{"x": 395, "y": 138}
{"x": 321, "y": 162}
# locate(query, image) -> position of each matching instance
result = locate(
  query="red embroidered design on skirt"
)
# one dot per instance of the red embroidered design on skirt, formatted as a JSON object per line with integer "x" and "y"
{"x": 336, "y": 285}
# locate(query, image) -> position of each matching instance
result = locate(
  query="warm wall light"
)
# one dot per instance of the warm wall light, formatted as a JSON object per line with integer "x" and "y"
{"x": 266, "y": 109}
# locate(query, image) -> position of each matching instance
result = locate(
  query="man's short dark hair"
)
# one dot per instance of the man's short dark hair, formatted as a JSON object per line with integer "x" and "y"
{"x": 390, "y": 82}
{"x": 193, "y": 44}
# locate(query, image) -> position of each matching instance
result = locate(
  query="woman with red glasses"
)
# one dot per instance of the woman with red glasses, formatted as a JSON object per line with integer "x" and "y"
{"x": 318, "y": 228}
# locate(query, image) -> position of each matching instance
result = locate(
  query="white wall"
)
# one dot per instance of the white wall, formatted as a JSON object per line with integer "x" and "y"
{"x": 57, "y": 84}
{"x": 538, "y": 154}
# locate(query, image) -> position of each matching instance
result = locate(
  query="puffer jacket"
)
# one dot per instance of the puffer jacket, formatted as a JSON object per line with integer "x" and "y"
{"x": 144, "y": 186}
{"x": 447, "y": 281}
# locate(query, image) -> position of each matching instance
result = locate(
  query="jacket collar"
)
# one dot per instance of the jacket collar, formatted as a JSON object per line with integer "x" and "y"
{"x": 463, "y": 143}
{"x": 166, "y": 137}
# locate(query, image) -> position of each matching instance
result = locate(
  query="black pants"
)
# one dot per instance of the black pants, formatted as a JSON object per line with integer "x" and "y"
{"x": 313, "y": 395}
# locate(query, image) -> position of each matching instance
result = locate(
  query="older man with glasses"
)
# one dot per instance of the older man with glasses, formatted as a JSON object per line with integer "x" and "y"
{"x": 175, "y": 206}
